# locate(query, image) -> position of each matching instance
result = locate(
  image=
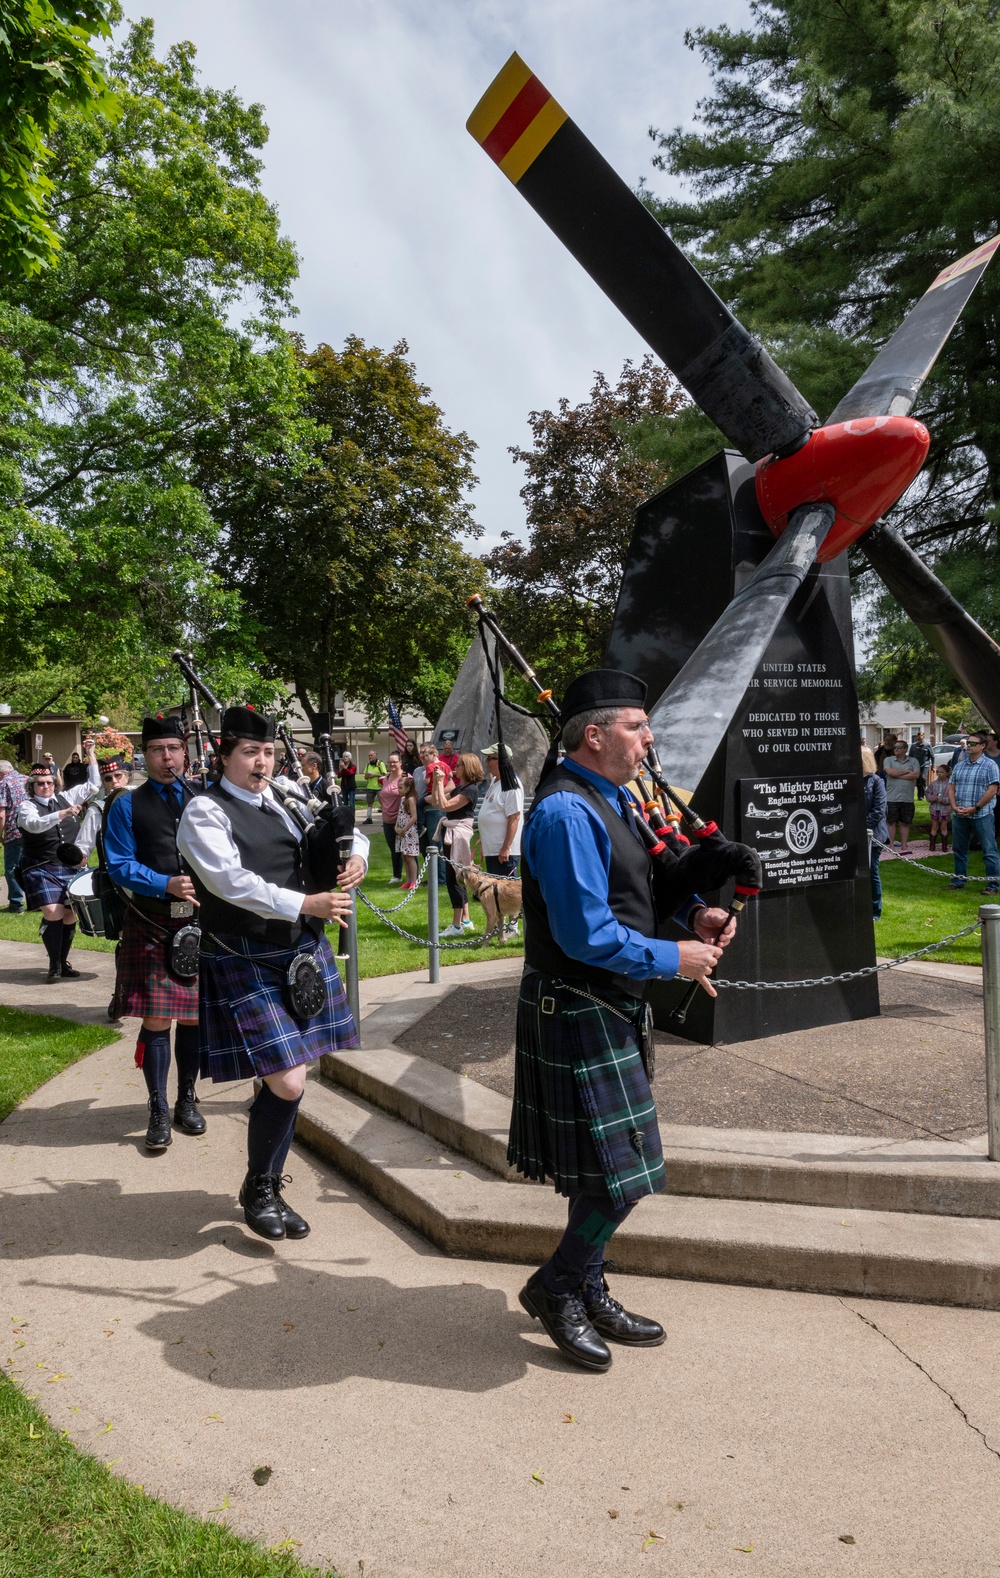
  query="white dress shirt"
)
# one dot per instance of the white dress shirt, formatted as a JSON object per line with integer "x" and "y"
{"x": 205, "y": 840}
{"x": 37, "y": 816}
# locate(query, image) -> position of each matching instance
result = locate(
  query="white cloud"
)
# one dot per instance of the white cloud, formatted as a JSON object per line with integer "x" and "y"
{"x": 404, "y": 227}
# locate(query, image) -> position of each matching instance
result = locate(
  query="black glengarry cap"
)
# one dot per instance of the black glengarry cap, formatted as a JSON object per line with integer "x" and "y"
{"x": 243, "y": 723}
{"x": 602, "y": 687}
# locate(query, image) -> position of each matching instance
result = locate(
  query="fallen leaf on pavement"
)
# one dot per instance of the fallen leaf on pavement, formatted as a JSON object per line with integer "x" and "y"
{"x": 107, "y": 1427}
{"x": 569, "y": 1419}
{"x": 652, "y": 1538}
{"x": 847, "y": 1539}
{"x": 746, "y": 1549}
{"x": 223, "y": 1508}
{"x": 261, "y": 1474}
{"x": 612, "y": 1512}
{"x": 536, "y": 1476}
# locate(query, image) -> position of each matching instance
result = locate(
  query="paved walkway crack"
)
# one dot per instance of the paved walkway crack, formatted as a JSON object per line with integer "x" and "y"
{"x": 918, "y": 1366}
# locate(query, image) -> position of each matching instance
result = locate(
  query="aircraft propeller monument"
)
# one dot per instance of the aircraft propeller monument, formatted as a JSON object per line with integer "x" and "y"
{"x": 733, "y": 630}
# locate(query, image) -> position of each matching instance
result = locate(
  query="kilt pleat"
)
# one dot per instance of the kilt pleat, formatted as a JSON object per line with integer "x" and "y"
{"x": 583, "y": 1113}
{"x": 47, "y": 884}
{"x": 246, "y": 1029}
{"x": 144, "y": 986}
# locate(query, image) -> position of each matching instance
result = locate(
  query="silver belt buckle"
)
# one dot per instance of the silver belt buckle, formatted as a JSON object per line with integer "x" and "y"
{"x": 179, "y": 908}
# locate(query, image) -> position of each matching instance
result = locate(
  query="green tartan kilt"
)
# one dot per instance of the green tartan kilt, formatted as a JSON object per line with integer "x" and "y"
{"x": 584, "y": 1114}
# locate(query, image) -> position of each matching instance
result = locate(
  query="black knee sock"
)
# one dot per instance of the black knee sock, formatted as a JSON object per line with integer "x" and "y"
{"x": 281, "y": 1153}
{"x": 155, "y": 1065}
{"x": 52, "y": 933}
{"x": 68, "y": 934}
{"x": 269, "y": 1131}
{"x": 187, "y": 1053}
{"x": 579, "y": 1257}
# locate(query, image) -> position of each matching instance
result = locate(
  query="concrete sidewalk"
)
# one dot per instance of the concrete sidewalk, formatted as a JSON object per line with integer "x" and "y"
{"x": 416, "y": 1422}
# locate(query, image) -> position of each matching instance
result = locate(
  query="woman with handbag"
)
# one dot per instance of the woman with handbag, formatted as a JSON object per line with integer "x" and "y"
{"x": 458, "y": 804}
{"x": 270, "y": 997}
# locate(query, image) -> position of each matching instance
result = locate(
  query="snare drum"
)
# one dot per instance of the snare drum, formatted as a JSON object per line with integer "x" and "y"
{"x": 89, "y": 911}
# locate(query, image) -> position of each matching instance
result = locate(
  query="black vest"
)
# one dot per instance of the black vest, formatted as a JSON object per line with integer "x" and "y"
{"x": 154, "y": 828}
{"x": 268, "y": 847}
{"x": 39, "y": 849}
{"x": 630, "y": 891}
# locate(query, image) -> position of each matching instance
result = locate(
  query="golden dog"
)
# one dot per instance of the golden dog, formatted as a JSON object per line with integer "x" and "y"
{"x": 499, "y": 896}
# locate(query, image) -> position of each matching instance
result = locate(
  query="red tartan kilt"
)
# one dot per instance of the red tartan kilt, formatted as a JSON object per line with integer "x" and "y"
{"x": 145, "y": 987}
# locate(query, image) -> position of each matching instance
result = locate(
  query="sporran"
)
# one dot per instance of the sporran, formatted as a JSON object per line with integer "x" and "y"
{"x": 184, "y": 946}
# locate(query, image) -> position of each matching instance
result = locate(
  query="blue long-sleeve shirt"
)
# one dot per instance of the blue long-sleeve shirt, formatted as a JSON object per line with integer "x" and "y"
{"x": 568, "y": 850}
{"x": 124, "y": 865}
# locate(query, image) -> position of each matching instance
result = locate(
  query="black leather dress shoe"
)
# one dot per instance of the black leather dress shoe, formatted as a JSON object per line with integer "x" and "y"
{"x": 565, "y": 1320}
{"x": 158, "y": 1134}
{"x": 53, "y": 976}
{"x": 261, "y": 1209}
{"x": 608, "y": 1317}
{"x": 69, "y": 974}
{"x": 296, "y": 1226}
{"x": 186, "y": 1115}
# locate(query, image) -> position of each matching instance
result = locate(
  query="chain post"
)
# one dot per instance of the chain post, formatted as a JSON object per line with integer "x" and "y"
{"x": 433, "y": 923}
{"x": 989, "y": 915}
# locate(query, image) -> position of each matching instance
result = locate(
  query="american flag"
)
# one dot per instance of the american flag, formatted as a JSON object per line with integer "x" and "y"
{"x": 396, "y": 726}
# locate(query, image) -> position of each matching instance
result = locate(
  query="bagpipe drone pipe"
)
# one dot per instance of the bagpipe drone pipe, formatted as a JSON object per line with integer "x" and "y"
{"x": 326, "y": 824}
{"x": 699, "y": 859}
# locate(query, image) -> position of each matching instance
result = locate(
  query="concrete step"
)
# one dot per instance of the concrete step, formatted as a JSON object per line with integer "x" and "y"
{"x": 934, "y": 1177}
{"x": 467, "y": 1210}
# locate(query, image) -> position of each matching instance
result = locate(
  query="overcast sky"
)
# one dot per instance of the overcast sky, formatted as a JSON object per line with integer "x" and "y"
{"x": 404, "y": 227}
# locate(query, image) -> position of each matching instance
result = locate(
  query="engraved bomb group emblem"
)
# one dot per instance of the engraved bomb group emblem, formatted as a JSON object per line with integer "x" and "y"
{"x": 801, "y": 832}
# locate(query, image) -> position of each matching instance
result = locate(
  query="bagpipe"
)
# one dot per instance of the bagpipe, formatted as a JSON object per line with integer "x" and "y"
{"x": 326, "y": 824}
{"x": 689, "y": 854}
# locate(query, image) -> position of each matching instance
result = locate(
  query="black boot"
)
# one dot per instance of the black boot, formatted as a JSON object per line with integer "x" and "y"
{"x": 565, "y": 1319}
{"x": 609, "y": 1318}
{"x": 261, "y": 1207}
{"x": 186, "y": 1114}
{"x": 158, "y": 1134}
{"x": 296, "y": 1226}
{"x": 68, "y": 937}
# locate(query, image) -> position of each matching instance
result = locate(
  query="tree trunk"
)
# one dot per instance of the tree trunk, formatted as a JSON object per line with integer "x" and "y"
{"x": 305, "y": 703}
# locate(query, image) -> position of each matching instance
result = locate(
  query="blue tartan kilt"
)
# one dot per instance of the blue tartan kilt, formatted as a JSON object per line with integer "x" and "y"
{"x": 245, "y": 1028}
{"x": 583, "y": 1113}
{"x": 47, "y": 884}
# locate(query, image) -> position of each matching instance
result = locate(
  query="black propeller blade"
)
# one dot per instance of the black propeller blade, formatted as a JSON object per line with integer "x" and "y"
{"x": 693, "y": 714}
{"x": 634, "y": 261}
{"x": 890, "y": 384}
{"x": 971, "y": 654}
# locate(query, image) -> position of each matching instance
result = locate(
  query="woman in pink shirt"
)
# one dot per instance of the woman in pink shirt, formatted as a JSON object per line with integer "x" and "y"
{"x": 389, "y": 796}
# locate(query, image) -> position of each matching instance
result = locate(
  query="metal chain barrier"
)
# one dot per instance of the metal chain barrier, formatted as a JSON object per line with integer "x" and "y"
{"x": 917, "y": 863}
{"x": 845, "y": 975}
{"x": 420, "y": 877}
{"x": 467, "y": 942}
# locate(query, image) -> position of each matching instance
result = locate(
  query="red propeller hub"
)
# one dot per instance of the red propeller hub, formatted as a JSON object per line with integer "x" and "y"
{"x": 861, "y": 467}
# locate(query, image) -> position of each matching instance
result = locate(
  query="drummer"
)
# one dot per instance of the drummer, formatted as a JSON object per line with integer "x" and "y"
{"x": 55, "y": 847}
{"x": 140, "y": 851}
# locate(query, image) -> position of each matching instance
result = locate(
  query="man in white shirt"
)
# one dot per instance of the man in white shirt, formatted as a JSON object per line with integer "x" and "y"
{"x": 270, "y": 997}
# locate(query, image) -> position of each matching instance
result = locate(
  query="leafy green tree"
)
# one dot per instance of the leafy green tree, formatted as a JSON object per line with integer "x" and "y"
{"x": 585, "y": 480}
{"x": 137, "y": 392}
{"x": 47, "y": 67}
{"x": 846, "y": 153}
{"x": 354, "y": 569}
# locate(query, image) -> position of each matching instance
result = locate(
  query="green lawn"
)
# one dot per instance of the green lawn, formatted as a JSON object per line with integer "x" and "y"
{"x": 381, "y": 951}
{"x": 918, "y": 908}
{"x": 63, "y": 1515}
{"x": 35, "y": 1047}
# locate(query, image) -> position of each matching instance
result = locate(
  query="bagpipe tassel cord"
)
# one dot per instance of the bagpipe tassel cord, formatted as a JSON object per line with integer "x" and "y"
{"x": 187, "y": 1052}
{"x": 508, "y": 777}
{"x": 52, "y": 934}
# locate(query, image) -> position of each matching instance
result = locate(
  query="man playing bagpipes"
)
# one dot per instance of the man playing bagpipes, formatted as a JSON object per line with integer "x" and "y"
{"x": 271, "y": 997}
{"x": 157, "y": 969}
{"x": 594, "y": 899}
{"x": 55, "y": 848}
